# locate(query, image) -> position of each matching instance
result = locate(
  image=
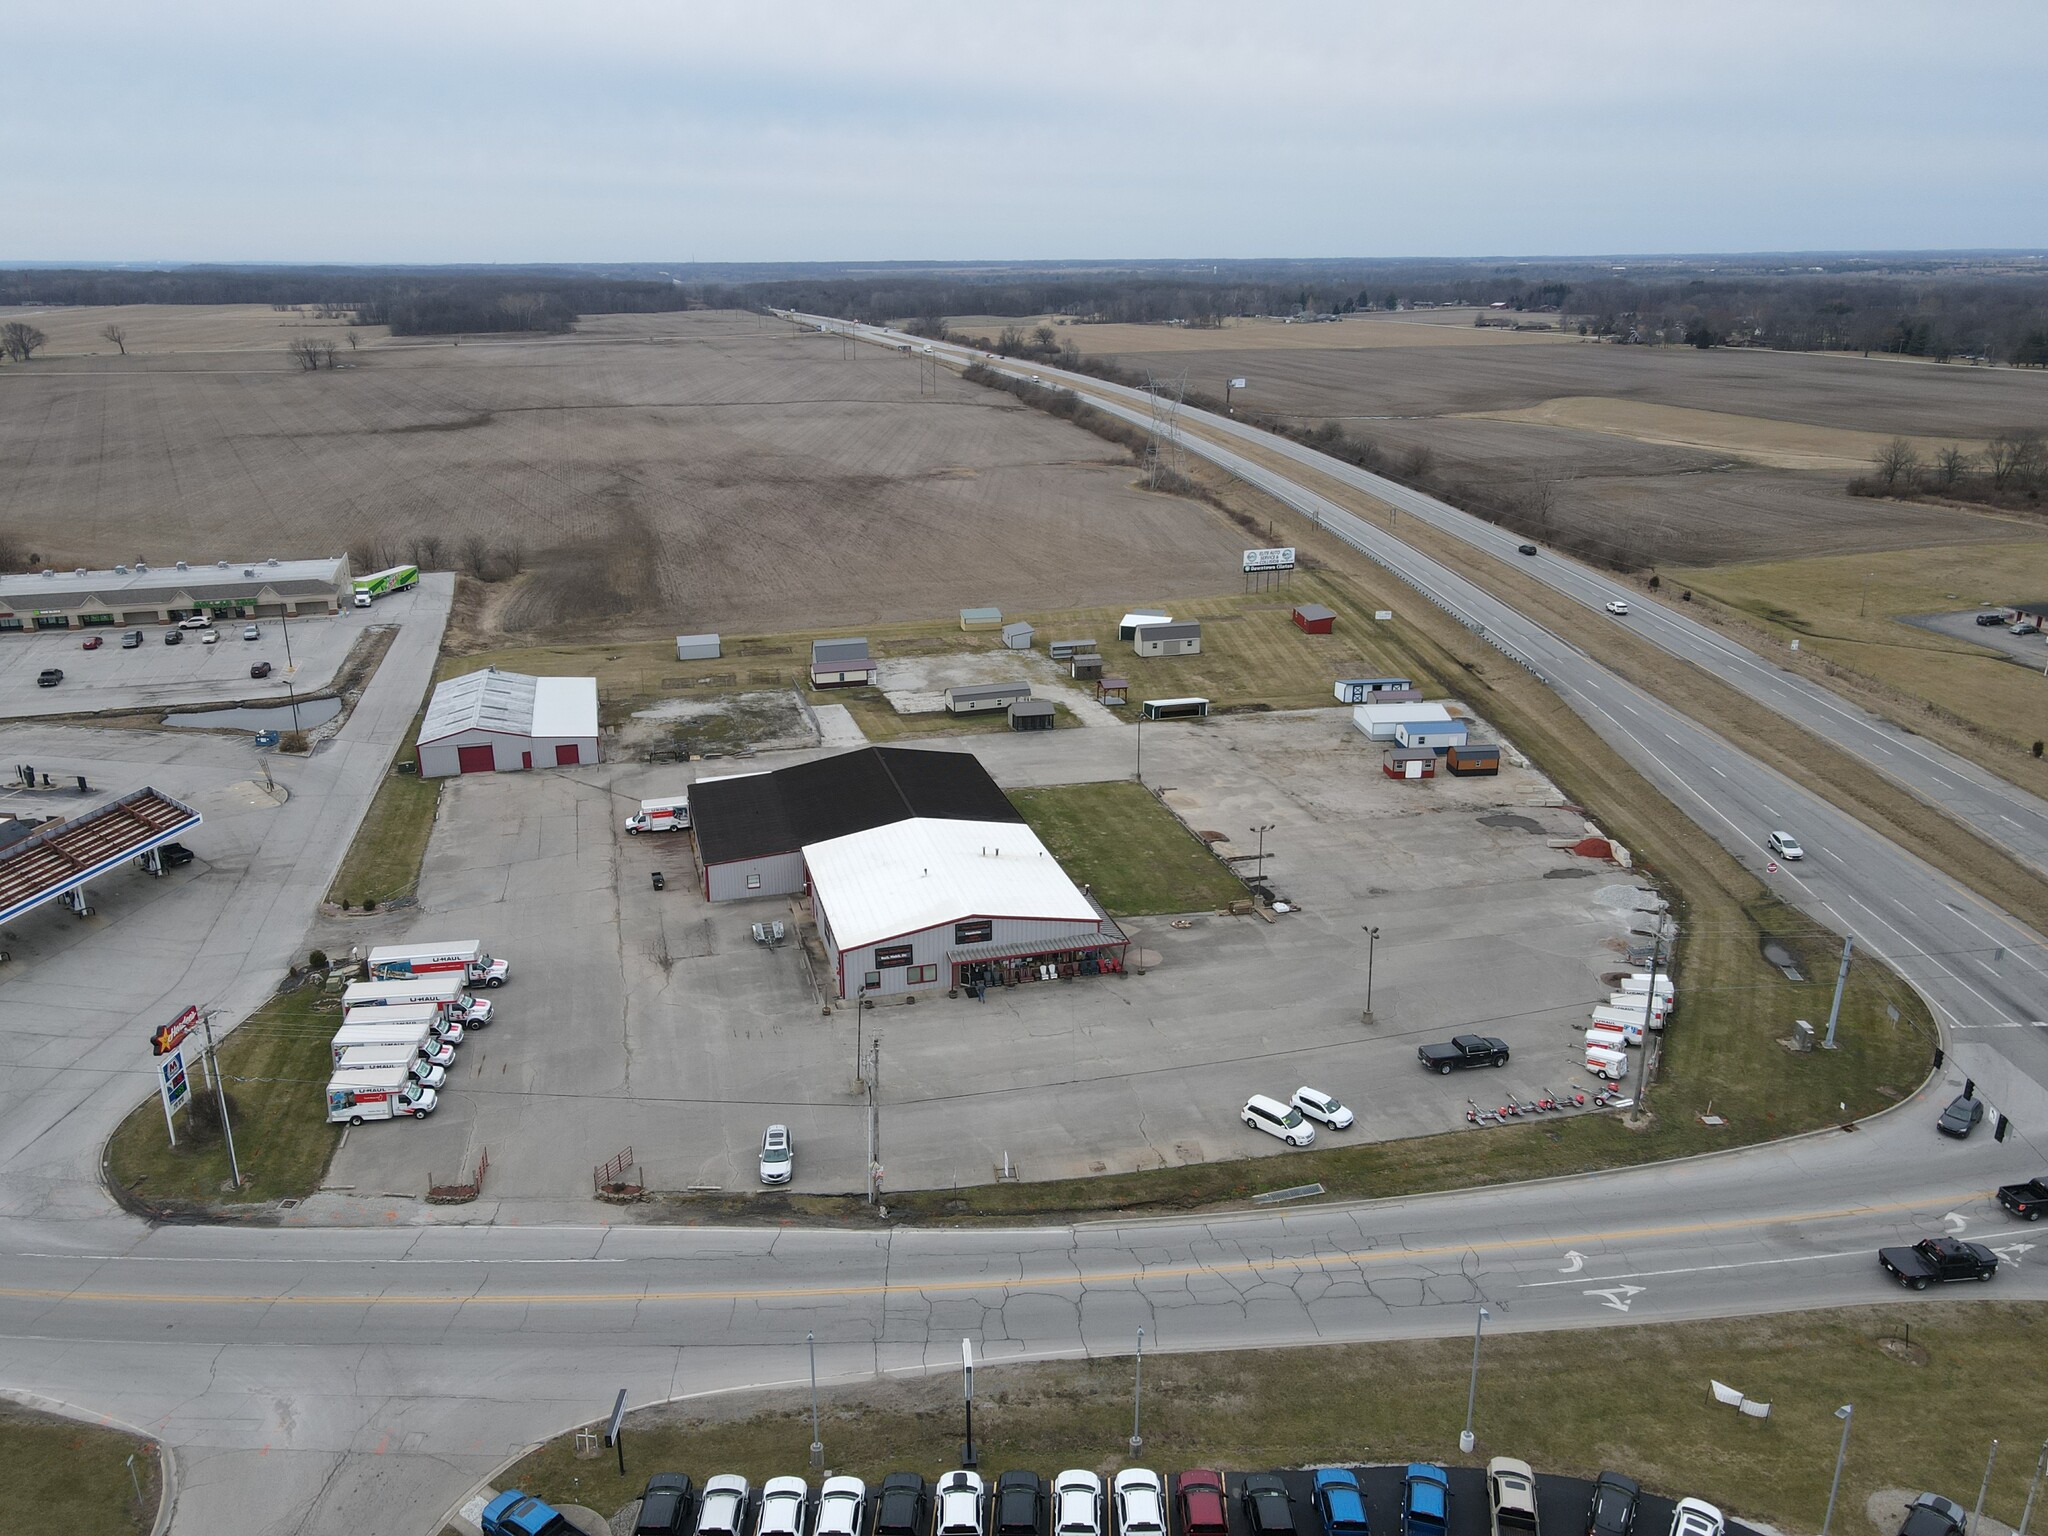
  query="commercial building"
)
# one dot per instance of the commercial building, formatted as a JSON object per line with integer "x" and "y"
{"x": 1183, "y": 639}
{"x": 145, "y": 594}
{"x": 921, "y": 873}
{"x": 55, "y": 860}
{"x": 502, "y": 722}
{"x": 841, "y": 664}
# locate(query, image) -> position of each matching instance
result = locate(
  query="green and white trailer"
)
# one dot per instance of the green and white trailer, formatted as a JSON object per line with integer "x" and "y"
{"x": 397, "y": 578}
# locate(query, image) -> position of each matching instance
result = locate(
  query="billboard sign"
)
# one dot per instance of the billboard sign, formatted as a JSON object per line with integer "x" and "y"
{"x": 1269, "y": 559}
{"x": 1240, "y": 384}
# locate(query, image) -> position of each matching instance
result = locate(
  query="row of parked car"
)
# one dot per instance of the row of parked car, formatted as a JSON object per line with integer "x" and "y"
{"x": 50, "y": 677}
{"x": 1136, "y": 1502}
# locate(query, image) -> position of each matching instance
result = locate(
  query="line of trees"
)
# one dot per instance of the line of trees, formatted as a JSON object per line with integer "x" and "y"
{"x": 20, "y": 340}
{"x": 2009, "y": 472}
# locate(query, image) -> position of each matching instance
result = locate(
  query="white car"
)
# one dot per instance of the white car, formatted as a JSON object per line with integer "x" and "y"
{"x": 195, "y": 621}
{"x": 778, "y": 1156}
{"x": 1618, "y": 608}
{"x": 960, "y": 1510}
{"x": 1140, "y": 1503}
{"x": 1323, "y": 1107}
{"x": 1785, "y": 845}
{"x": 782, "y": 1507}
{"x": 251, "y": 632}
{"x": 1696, "y": 1517}
{"x": 211, "y": 637}
{"x": 723, "y": 1506}
{"x": 1077, "y": 1504}
{"x": 840, "y": 1504}
{"x": 1277, "y": 1119}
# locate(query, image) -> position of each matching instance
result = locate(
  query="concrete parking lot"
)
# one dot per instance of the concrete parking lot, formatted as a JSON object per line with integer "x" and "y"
{"x": 155, "y": 675}
{"x": 2028, "y": 650}
{"x": 653, "y": 1021}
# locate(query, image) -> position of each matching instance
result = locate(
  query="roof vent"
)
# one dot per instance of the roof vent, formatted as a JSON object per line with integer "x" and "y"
{"x": 183, "y": 566}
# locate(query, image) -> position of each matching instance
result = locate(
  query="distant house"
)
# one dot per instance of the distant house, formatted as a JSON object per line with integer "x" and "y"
{"x": 841, "y": 664}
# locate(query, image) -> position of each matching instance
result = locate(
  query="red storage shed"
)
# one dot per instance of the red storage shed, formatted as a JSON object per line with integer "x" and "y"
{"x": 1314, "y": 618}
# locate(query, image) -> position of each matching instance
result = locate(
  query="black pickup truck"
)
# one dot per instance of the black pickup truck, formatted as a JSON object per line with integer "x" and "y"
{"x": 1464, "y": 1051}
{"x": 1938, "y": 1258}
{"x": 2029, "y": 1200}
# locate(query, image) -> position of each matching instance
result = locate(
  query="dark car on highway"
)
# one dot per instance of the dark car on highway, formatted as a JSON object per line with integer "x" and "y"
{"x": 1268, "y": 1507}
{"x": 900, "y": 1509}
{"x": 1961, "y": 1117}
{"x": 1528, "y": 549}
{"x": 1612, "y": 1509}
{"x": 1203, "y": 1510}
{"x": 1020, "y": 1504}
{"x": 665, "y": 1505}
{"x": 1938, "y": 1258}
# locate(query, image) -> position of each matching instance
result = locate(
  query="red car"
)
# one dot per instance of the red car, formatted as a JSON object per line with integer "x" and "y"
{"x": 1202, "y": 1511}
{"x": 92, "y": 643}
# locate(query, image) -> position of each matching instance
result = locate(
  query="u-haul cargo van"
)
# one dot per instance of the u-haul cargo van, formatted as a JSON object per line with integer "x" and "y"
{"x": 386, "y": 1094}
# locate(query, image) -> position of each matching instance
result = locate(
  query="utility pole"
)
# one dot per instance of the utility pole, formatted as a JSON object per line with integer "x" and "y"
{"x": 1977, "y": 1514}
{"x": 1845, "y": 1413}
{"x": 221, "y": 1088}
{"x": 1138, "y": 1396}
{"x": 1465, "y": 1440}
{"x": 817, "y": 1441}
{"x": 874, "y": 1121}
{"x": 1841, "y": 981}
{"x": 2033, "y": 1488}
{"x": 1262, "y": 831}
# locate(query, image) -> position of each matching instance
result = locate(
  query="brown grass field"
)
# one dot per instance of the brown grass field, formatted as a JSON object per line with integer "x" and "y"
{"x": 160, "y": 329}
{"x": 1664, "y": 454}
{"x": 663, "y": 474}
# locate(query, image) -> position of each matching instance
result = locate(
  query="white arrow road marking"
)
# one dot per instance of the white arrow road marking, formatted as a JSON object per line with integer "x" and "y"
{"x": 1957, "y": 1221}
{"x": 1618, "y": 1296}
{"x": 2011, "y": 1252}
{"x": 1578, "y": 1262}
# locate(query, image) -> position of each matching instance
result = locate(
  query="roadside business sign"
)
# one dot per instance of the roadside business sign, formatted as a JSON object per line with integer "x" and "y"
{"x": 1269, "y": 559}
{"x": 174, "y": 1087}
{"x": 172, "y": 1035}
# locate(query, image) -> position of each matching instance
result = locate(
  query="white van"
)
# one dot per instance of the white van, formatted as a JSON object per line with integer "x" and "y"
{"x": 1607, "y": 1062}
{"x": 389, "y": 1094}
{"x": 1640, "y": 1003}
{"x": 1622, "y": 1018}
{"x": 1277, "y": 1119}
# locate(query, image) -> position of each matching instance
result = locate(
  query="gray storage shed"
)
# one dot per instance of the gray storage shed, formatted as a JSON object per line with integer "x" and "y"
{"x": 985, "y": 696}
{"x": 1031, "y": 715}
{"x": 1086, "y": 666}
{"x": 1060, "y": 650}
{"x": 1183, "y": 639}
{"x": 697, "y": 648}
{"x": 841, "y": 664}
{"x": 1018, "y": 636}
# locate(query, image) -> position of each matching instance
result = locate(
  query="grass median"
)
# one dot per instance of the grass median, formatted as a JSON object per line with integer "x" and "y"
{"x": 276, "y": 1067}
{"x": 1131, "y": 851}
{"x": 383, "y": 862}
{"x": 1932, "y": 1384}
{"x": 59, "y": 1477}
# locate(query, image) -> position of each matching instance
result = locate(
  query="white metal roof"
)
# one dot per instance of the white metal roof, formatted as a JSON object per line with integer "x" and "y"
{"x": 921, "y": 873}
{"x": 512, "y": 703}
{"x": 1138, "y": 616}
{"x": 1417, "y": 712}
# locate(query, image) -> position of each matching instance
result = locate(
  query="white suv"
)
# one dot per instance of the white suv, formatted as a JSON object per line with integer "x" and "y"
{"x": 195, "y": 621}
{"x": 959, "y": 1511}
{"x": 782, "y": 1507}
{"x": 1077, "y": 1504}
{"x": 1140, "y": 1503}
{"x": 1696, "y": 1517}
{"x": 1785, "y": 845}
{"x": 1323, "y": 1107}
{"x": 1277, "y": 1119}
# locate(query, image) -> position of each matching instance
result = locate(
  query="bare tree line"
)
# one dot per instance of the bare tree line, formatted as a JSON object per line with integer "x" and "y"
{"x": 20, "y": 340}
{"x": 2010, "y": 471}
{"x": 475, "y": 554}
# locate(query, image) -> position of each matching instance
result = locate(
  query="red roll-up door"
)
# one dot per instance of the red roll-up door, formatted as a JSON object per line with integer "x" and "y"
{"x": 566, "y": 755}
{"x": 475, "y": 759}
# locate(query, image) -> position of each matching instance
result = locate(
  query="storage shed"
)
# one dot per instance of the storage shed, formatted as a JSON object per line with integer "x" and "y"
{"x": 1409, "y": 763}
{"x": 1314, "y": 618}
{"x": 1380, "y": 720}
{"x": 841, "y": 664}
{"x": 1112, "y": 690}
{"x": 1128, "y": 626}
{"x": 982, "y": 697}
{"x": 1175, "y": 709}
{"x": 697, "y": 648}
{"x": 1376, "y": 690}
{"x": 1183, "y": 639}
{"x": 1061, "y": 650}
{"x": 501, "y": 722}
{"x": 981, "y": 618}
{"x": 1086, "y": 667}
{"x": 1017, "y": 637}
{"x": 1435, "y": 734}
{"x": 1031, "y": 715}
{"x": 1471, "y": 759}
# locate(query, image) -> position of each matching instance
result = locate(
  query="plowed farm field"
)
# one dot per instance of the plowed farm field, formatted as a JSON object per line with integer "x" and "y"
{"x": 659, "y": 474}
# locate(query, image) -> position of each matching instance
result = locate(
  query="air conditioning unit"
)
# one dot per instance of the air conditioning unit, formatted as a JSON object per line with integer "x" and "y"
{"x": 120, "y": 570}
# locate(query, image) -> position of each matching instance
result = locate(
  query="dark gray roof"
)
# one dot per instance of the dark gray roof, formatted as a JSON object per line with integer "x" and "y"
{"x": 1314, "y": 611}
{"x": 838, "y": 653}
{"x": 990, "y": 691}
{"x": 1187, "y": 629}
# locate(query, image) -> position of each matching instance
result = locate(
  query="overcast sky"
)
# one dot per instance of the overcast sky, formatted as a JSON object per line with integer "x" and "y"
{"x": 632, "y": 130}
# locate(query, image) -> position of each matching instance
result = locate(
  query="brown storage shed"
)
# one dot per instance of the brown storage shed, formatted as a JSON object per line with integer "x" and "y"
{"x": 1473, "y": 758}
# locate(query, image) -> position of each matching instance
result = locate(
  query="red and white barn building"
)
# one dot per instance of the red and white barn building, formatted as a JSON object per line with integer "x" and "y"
{"x": 503, "y": 722}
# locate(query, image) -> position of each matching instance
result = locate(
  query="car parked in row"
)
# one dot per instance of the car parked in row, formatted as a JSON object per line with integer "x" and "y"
{"x": 961, "y": 1505}
{"x": 1277, "y": 1119}
{"x": 1204, "y": 1511}
{"x": 1932, "y": 1515}
{"x": 1612, "y": 1509}
{"x": 1077, "y": 1503}
{"x": 723, "y": 1509}
{"x": 1425, "y": 1500}
{"x": 1696, "y": 1517}
{"x": 1268, "y": 1506}
{"x": 666, "y": 1505}
{"x": 782, "y": 1507}
{"x": 131, "y": 640}
{"x": 1511, "y": 1495}
{"x": 900, "y": 1507}
{"x": 842, "y": 1504}
{"x": 1325, "y": 1108}
{"x": 1140, "y": 1502}
{"x": 174, "y": 637}
{"x": 513, "y": 1513}
{"x": 92, "y": 643}
{"x": 1340, "y": 1502}
{"x": 1020, "y": 1504}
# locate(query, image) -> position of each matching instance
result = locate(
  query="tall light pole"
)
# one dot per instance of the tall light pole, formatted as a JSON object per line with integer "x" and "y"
{"x": 817, "y": 1442}
{"x": 1262, "y": 831}
{"x": 967, "y": 1457}
{"x": 1845, "y": 1413}
{"x": 2033, "y": 1488}
{"x": 1465, "y": 1441}
{"x": 1372, "y": 944}
{"x": 1138, "y": 1396}
{"x": 1977, "y": 1514}
{"x": 1139, "y": 722}
{"x": 220, "y": 1088}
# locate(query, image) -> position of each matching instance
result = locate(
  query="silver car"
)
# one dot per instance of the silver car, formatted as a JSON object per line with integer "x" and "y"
{"x": 778, "y": 1155}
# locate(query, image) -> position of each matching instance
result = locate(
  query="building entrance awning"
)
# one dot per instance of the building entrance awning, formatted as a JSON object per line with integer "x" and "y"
{"x": 1063, "y": 944}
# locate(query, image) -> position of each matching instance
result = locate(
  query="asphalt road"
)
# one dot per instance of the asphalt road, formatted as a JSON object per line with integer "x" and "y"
{"x": 2004, "y": 815}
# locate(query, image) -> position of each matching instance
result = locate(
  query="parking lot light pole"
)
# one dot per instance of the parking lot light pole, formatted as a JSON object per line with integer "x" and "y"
{"x": 1262, "y": 831}
{"x": 1371, "y": 954}
{"x": 817, "y": 1443}
{"x": 2033, "y": 1488}
{"x": 967, "y": 1456}
{"x": 1845, "y": 1413}
{"x": 287, "y": 623}
{"x": 1977, "y": 1514}
{"x": 1465, "y": 1441}
{"x": 1138, "y": 1396}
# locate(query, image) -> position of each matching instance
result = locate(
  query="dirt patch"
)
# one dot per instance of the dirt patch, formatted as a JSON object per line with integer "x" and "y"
{"x": 695, "y": 727}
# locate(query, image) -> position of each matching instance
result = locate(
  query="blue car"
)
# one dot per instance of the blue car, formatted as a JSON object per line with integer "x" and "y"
{"x": 1340, "y": 1503}
{"x": 1425, "y": 1501}
{"x": 519, "y": 1514}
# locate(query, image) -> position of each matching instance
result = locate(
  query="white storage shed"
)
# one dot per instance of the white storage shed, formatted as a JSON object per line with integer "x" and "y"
{"x": 1437, "y": 735}
{"x": 1183, "y": 639}
{"x": 502, "y": 722}
{"x": 697, "y": 648}
{"x": 1379, "y": 721}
